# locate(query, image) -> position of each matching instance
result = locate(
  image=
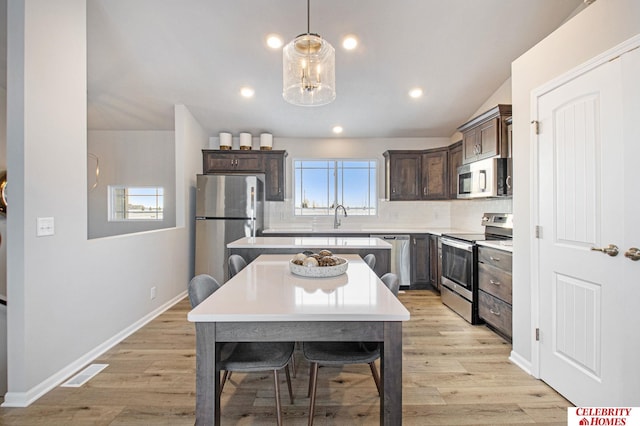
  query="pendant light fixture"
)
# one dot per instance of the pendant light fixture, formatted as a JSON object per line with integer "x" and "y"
{"x": 309, "y": 74}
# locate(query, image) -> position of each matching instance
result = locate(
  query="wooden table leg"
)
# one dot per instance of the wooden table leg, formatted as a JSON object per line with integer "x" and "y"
{"x": 207, "y": 378}
{"x": 391, "y": 375}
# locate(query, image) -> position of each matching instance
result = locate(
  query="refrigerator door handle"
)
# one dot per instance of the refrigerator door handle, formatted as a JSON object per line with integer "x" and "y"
{"x": 253, "y": 212}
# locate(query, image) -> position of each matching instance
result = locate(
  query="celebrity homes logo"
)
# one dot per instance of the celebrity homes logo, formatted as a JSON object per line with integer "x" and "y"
{"x": 603, "y": 416}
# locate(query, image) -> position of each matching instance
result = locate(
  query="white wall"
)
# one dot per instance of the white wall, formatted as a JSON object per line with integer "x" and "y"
{"x": 597, "y": 28}
{"x": 70, "y": 298}
{"x": 132, "y": 158}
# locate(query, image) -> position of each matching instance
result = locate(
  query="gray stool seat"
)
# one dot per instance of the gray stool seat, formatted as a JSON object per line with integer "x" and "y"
{"x": 255, "y": 356}
{"x": 370, "y": 260}
{"x": 340, "y": 353}
{"x": 236, "y": 264}
{"x": 392, "y": 282}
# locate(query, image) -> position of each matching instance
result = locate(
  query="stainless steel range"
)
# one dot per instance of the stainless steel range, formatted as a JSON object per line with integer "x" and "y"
{"x": 459, "y": 290}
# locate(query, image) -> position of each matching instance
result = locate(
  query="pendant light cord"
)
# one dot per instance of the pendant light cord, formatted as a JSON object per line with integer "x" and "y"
{"x": 308, "y": 17}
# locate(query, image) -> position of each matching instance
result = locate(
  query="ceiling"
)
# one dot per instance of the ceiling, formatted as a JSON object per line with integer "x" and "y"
{"x": 144, "y": 56}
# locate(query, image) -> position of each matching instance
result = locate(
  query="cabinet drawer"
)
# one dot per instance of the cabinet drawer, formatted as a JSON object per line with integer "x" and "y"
{"x": 498, "y": 258}
{"x": 495, "y": 312}
{"x": 495, "y": 281}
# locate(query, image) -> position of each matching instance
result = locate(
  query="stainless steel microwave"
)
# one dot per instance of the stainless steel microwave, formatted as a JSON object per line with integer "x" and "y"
{"x": 485, "y": 178}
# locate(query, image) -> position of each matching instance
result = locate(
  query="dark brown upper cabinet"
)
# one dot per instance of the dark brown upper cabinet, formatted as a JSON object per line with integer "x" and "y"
{"x": 455, "y": 161}
{"x": 271, "y": 163}
{"x": 485, "y": 136}
{"x": 412, "y": 175}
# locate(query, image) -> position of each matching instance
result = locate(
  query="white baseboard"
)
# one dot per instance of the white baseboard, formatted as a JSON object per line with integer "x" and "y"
{"x": 518, "y": 360}
{"x": 24, "y": 399}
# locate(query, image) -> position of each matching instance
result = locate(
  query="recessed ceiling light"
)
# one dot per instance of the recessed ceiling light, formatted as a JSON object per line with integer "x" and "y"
{"x": 350, "y": 42}
{"x": 337, "y": 130}
{"x": 274, "y": 41}
{"x": 415, "y": 93}
{"x": 247, "y": 92}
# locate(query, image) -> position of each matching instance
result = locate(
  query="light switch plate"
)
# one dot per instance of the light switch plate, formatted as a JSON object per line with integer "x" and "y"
{"x": 45, "y": 227}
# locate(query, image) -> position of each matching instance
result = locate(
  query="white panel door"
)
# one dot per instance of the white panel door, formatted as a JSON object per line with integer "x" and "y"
{"x": 631, "y": 269}
{"x": 587, "y": 199}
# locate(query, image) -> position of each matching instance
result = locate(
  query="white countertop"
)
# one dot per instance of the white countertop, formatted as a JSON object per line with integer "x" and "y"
{"x": 500, "y": 245}
{"x": 304, "y": 243}
{"x": 266, "y": 290}
{"x": 368, "y": 230}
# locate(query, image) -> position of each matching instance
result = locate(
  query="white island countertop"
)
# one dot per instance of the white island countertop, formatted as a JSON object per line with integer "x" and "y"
{"x": 304, "y": 243}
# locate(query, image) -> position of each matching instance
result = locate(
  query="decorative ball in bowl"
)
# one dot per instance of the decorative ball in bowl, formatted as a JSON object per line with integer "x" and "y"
{"x": 318, "y": 265}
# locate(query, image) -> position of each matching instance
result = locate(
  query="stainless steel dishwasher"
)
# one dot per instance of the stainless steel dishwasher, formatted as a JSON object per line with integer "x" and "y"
{"x": 400, "y": 256}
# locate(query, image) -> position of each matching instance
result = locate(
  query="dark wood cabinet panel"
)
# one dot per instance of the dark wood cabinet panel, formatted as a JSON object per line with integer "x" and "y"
{"x": 485, "y": 136}
{"x": 435, "y": 261}
{"x": 420, "y": 261}
{"x": 495, "y": 281}
{"x": 274, "y": 171}
{"x": 455, "y": 161}
{"x": 417, "y": 174}
{"x": 271, "y": 163}
{"x": 225, "y": 161}
{"x": 495, "y": 288}
{"x": 435, "y": 174}
{"x": 402, "y": 175}
{"x": 496, "y": 312}
{"x": 499, "y": 258}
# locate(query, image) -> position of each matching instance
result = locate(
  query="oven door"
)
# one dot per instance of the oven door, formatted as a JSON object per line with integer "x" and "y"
{"x": 457, "y": 267}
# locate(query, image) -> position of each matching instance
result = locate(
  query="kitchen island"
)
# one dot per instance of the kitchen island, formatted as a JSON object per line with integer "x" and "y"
{"x": 251, "y": 247}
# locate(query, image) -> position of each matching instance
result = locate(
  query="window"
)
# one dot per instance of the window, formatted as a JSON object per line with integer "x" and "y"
{"x": 321, "y": 185}
{"x": 131, "y": 203}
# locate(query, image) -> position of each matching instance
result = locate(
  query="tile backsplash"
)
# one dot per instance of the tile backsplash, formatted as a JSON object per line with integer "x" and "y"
{"x": 460, "y": 214}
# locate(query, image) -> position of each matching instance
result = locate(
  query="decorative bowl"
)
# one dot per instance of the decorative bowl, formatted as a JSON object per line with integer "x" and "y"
{"x": 320, "y": 271}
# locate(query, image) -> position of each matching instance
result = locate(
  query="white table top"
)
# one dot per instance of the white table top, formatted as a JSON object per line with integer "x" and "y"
{"x": 266, "y": 290}
{"x": 305, "y": 243}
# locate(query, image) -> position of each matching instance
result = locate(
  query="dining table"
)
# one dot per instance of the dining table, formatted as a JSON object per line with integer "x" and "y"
{"x": 266, "y": 301}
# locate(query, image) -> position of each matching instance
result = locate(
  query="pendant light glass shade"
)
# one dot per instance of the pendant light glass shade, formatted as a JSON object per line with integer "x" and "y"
{"x": 309, "y": 71}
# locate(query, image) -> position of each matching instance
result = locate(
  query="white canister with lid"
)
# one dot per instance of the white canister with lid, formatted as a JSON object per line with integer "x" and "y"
{"x": 245, "y": 141}
{"x": 266, "y": 141}
{"x": 225, "y": 141}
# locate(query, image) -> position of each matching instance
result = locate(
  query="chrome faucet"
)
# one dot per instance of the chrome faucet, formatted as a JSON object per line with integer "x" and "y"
{"x": 336, "y": 221}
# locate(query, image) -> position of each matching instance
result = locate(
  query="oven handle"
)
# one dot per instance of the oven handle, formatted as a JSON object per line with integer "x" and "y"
{"x": 457, "y": 244}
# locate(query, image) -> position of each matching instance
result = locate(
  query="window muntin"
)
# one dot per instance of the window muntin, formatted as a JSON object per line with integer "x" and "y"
{"x": 320, "y": 185}
{"x": 136, "y": 203}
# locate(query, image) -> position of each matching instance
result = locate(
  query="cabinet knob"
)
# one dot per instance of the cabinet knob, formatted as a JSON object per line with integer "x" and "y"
{"x": 495, "y": 259}
{"x": 494, "y": 282}
{"x": 496, "y": 313}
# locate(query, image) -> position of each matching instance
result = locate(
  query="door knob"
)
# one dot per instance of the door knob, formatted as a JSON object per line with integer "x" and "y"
{"x": 633, "y": 253}
{"x": 611, "y": 250}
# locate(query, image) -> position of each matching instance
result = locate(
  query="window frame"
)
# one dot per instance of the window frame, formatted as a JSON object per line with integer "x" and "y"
{"x": 112, "y": 214}
{"x": 338, "y": 187}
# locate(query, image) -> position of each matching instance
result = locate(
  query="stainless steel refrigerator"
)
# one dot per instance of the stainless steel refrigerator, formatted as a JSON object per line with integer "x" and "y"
{"x": 228, "y": 207}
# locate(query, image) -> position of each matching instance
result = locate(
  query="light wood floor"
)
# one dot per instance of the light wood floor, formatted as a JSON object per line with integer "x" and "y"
{"x": 453, "y": 374}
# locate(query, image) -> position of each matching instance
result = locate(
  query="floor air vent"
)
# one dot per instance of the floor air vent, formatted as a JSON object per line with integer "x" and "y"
{"x": 84, "y": 376}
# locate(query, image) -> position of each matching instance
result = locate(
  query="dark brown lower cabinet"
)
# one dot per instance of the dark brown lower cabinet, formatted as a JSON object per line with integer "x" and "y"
{"x": 495, "y": 289}
{"x": 435, "y": 261}
{"x": 420, "y": 278}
